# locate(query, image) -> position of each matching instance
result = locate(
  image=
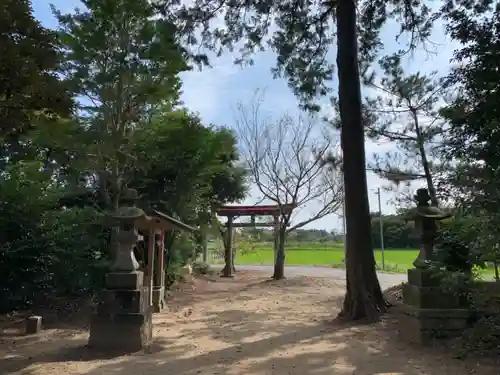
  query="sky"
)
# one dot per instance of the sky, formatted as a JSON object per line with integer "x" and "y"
{"x": 214, "y": 93}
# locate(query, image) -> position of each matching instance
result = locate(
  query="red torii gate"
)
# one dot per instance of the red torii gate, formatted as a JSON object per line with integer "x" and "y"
{"x": 231, "y": 212}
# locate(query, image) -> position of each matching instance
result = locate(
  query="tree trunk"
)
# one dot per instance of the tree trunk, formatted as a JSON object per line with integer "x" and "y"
{"x": 233, "y": 259}
{"x": 279, "y": 264}
{"x": 425, "y": 162}
{"x": 224, "y": 270}
{"x": 363, "y": 297}
{"x": 228, "y": 270}
{"x": 204, "y": 244}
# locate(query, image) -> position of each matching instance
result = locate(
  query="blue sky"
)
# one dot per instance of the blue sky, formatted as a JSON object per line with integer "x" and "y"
{"x": 214, "y": 92}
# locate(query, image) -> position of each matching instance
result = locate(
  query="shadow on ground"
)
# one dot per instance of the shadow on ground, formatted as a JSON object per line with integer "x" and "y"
{"x": 251, "y": 327}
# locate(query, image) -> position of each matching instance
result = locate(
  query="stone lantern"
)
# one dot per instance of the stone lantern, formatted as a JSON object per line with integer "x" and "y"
{"x": 126, "y": 238}
{"x": 426, "y": 218}
{"x": 429, "y": 311}
{"x": 123, "y": 320}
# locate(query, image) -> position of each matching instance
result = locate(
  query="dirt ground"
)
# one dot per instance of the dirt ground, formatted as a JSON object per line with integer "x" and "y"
{"x": 250, "y": 326}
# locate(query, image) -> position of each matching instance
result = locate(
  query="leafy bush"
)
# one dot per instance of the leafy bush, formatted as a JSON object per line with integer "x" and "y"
{"x": 45, "y": 252}
{"x": 454, "y": 245}
{"x": 184, "y": 248}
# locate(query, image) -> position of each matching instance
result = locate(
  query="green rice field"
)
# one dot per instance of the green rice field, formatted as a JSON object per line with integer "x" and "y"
{"x": 396, "y": 260}
{"x": 401, "y": 259}
{"x": 320, "y": 254}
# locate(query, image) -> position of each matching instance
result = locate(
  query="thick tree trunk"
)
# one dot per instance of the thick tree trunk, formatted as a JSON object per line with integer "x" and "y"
{"x": 279, "y": 264}
{"x": 224, "y": 270}
{"x": 227, "y": 271}
{"x": 363, "y": 299}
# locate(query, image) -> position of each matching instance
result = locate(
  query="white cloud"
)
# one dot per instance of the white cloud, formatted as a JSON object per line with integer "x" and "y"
{"x": 214, "y": 92}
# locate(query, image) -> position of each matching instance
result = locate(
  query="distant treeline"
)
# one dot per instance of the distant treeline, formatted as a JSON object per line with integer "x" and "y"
{"x": 398, "y": 234}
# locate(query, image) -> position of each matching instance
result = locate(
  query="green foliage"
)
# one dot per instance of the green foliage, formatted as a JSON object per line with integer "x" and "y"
{"x": 120, "y": 52}
{"x": 123, "y": 61}
{"x": 186, "y": 168}
{"x": 29, "y": 87}
{"x": 473, "y": 115}
{"x": 405, "y": 112}
{"x": 454, "y": 245}
{"x": 301, "y": 33}
{"x": 43, "y": 248}
{"x": 398, "y": 233}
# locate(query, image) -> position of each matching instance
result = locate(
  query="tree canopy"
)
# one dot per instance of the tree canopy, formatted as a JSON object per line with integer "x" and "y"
{"x": 102, "y": 115}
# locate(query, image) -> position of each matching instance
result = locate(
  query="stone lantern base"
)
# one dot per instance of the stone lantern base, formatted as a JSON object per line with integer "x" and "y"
{"x": 429, "y": 311}
{"x": 123, "y": 321}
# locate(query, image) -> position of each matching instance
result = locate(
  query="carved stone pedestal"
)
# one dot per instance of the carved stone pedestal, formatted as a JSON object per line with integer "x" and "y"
{"x": 123, "y": 321}
{"x": 429, "y": 311}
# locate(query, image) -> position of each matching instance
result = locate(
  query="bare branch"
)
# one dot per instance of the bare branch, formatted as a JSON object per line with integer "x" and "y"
{"x": 285, "y": 158}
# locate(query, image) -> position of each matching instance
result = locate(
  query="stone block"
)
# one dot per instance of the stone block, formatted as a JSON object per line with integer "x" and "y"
{"x": 428, "y": 297}
{"x": 124, "y": 333}
{"x": 33, "y": 324}
{"x": 425, "y": 325}
{"x": 125, "y": 280}
{"x": 423, "y": 277}
{"x": 123, "y": 301}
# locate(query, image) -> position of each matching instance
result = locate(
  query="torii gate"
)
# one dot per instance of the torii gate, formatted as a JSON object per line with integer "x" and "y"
{"x": 232, "y": 212}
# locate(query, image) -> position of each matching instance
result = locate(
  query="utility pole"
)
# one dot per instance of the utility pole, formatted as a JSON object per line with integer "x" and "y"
{"x": 381, "y": 221}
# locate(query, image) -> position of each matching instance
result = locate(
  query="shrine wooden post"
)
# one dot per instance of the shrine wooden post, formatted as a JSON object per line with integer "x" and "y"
{"x": 156, "y": 225}
{"x": 150, "y": 265}
{"x": 159, "y": 272}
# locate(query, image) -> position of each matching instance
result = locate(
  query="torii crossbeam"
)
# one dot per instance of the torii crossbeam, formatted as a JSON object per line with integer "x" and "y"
{"x": 232, "y": 212}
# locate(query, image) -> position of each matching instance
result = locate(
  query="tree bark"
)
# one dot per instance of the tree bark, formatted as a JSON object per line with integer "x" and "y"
{"x": 225, "y": 268}
{"x": 363, "y": 298}
{"x": 425, "y": 161}
{"x": 204, "y": 243}
{"x": 279, "y": 264}
{"x": 233, "y": 259}
{"x": 228, "y": 270}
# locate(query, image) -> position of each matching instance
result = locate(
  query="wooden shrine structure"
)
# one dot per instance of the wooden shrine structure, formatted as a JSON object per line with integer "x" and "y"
{"x": 233, "y": 212}
{"x": 154, "y": 272}
{"x": 123, "y": 320}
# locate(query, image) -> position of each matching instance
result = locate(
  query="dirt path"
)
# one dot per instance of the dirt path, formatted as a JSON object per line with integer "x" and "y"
{"x": 246, "y": 326}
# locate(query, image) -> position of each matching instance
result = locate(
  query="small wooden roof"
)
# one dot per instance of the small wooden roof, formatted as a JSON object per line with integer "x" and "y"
{"x": 254, "y": 210}
{"x": 162, "y": 221}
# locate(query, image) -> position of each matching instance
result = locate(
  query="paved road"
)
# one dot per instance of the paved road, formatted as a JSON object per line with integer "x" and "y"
{"x": 386, "y": 279}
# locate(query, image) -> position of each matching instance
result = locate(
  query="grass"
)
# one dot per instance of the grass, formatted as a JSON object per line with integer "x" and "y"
{"x": 328, "y": 255}
{"x": 396, "y": 260}
{"x": 322, "y": 254}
